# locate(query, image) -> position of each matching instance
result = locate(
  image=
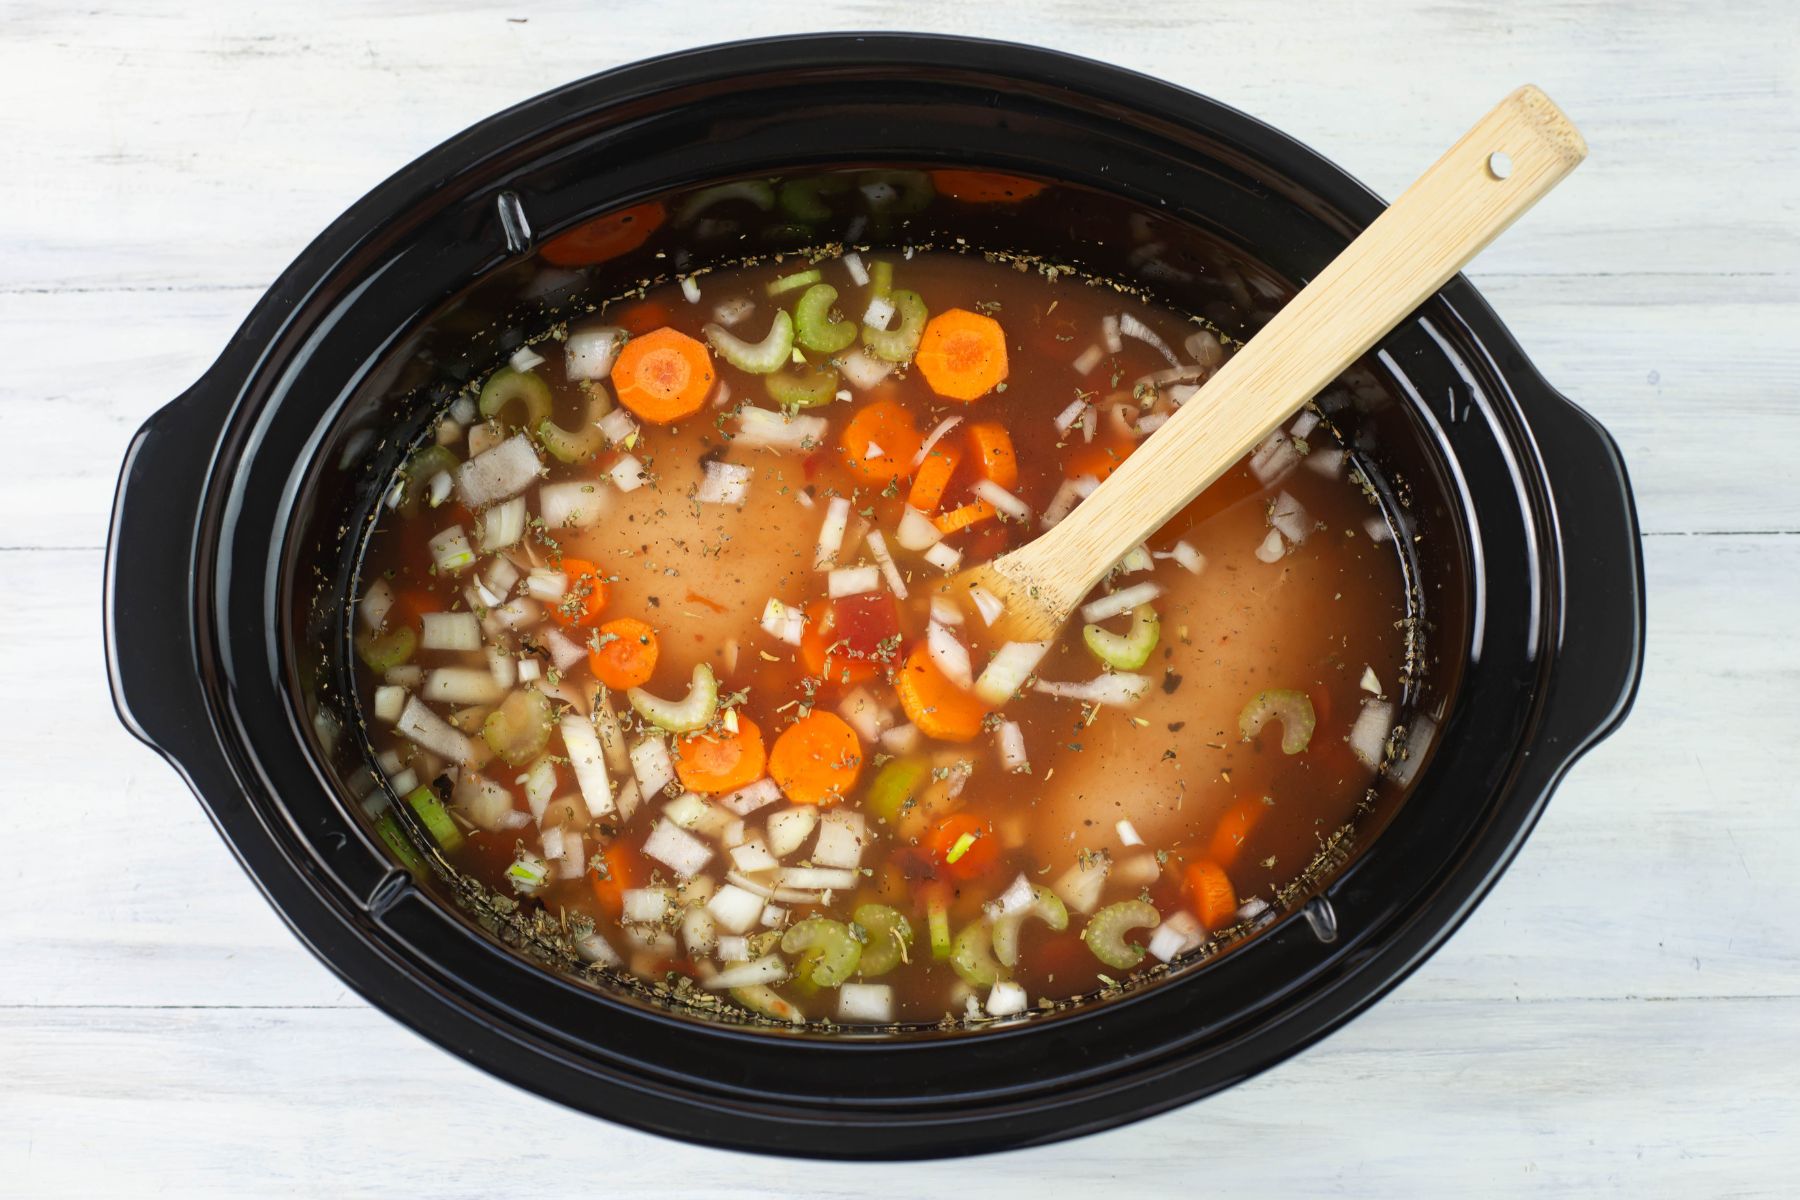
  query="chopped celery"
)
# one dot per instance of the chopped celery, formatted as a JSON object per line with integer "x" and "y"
{"x": 583, "y": 441}
{"x": 801, "y": 198}
{"x": 1293, "y": 709}
{"x": 938, "y": 915}
{"x": 506, "y": 386}
{"x": 828, "y": 953}
{"x": 763, "y": 943}
{"x": 973, "y": 956}
{"x": 692, "y": 712}
{"x": 799, "y": 279}
{"x": 435, "y": 817}
{"x": 806, "y": 387}
{"x": 519, "y": 729}
{"x": 815, "y": 327}
{"x": 887, "y": 934}
{"x": 1044, "y": 905}
{"x": 881, "y": 277}
{"x": 387, "y": 828}
{"x": 764, "y": 1000}
{"x": 758, "y": 358}
{"x": 755, "y": 191}
{"x": 897, "y": 345}
{"x": 1128, "y": 651}
{"x": 385, "y": 651}
{"x": 898, "y": 781}
{"x": 1106, "y": 930}
{"x": 420, "y": 470}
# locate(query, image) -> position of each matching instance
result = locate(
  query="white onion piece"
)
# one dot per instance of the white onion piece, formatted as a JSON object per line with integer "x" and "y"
{"x": 1008, "y": 670}
{"x": 751, "y": 797}
{"x": 573, "y": 860}
{"x": 540, "y": 786}
{"x": 889, "y": 569}
{"x": 550, "y": 841}
{"x": 573, "y": 504}
{"x": 502, "y": 666}
{"x": 460, "y": 685}
{"x": 765, "y": 970}
{"x": 1131, "y": 327}
{"x": 484, "y": 437}
{"x": 498, "y": 474}
{"x": 818, "y": 879}
{"x": 842, "y": 836}
{"x": 931, "y": 439}
{"x": 1204, "y": 348}
{"x": 1305, "y": 423}
{"x": 945, "y": 611}
{"x": 588, "y": 763}
{"x": 950, "y": 656}
{"x": 419, "y": 725}
{"x": 789, "y": 828}
{"x": 733, "y": 947}
{"x": 677, "y": 849}
{"x": 865, "y": 714}
{"x": 1289, "y": 516}
{"x": 736, "y": 906}
{"x": 1116, "y": 689}
{"x": 769, "y": 430}
{"x": 1370, "y": 682}
{"x": 690, "y": 288}
{"x": 1071, "y": 492}
{"x": 863, "y": 371}
{"x": 783, "y": 623}
{"x": 619, "y": 427}
{"x": 724, "y": 483}
{"x": 1328, "y": 462}
{"x": 1179, "y": 933}
{"x": 463, "y": 410}
{"x": 524, "y": 359}
{"x": 503, "y": 525}
{"x": 1080, "y": 886}
{"x": 866, "y": 1003}
{"x": 1368, "y": 735}
{"x": 596, "y": 949}
{"x": 500, "y": 577}
{"x": 733, "y": 310}
{"x": 1272, "y": 548}
{"x": 544, "y": 584}
{"x": 1149, "y": 423}
{"x": 627, "y": 474}
{"x": 1011, "y": 739}
{"x": 1378, "y": 529}
{"x": 1017, "y": 897}
{"x": 565, "y": 651}
{"x": 880, "y": 313}
{"x": 831, "y": 533}
{"x": 375, "y": 604}
{"x": 901, "y": 739}
{"x": 753, "y": 855}
{"x": 944, "y": 557}
{"x": 859, "y": 274}
{"x": 1065, "y": 420}
{"x": 590, "y": 353}
{"x": 517, "y": 614}
{"x": 1136, "y": 559}
{"x": 1007, "y": 999}
{"x": 1418, "y": 741}
{"x": 987, "y": 604}
{"x": 451, "y": 552}
{"x": 645, "y": 906}
{"x": 916, "y": 531}
{"x": 1088, "y": 359}
{"x": 1090, "y": 423}
{"x": 852, "y": 581}
{"x": 1128, "y": 834}
{"x": 390, "y": 702}
{"x": 438, "y": 490}
{"x": 1109, "y": 334}
{"x": 1008, "y": 504}
{"x": 1185, "y": 557}
{"x": 1120, "y": 602}
{"x": 1273, "y": 458}
{"x": 450, "y": 631}
{"x": 651, "y": 764}
{"x": 406, "y": 675}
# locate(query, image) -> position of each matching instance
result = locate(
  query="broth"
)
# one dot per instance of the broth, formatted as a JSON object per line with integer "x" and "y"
{"x": 850, "y": 832}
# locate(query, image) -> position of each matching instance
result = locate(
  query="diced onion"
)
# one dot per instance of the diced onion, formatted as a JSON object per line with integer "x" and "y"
{"x": 1369, "y": 733}
{"x": 627, "y": 474}
{"x": 1008, "y": 670}
{"x": 931, "y": 439}
{"x": 916, "y": 531}
{"x": 950, "y": 656}
{"x": 390, "y": 702}
{"x": 590, "y": 353}
{"x": 852, "y": 581}
{"x": 1178, "y": 934}
{"x": 889, "y": 570}
{"x": 1008, "y": 504}
{"x": 748, "y": 799}
{"x": 378, "y": 600}
{"x": 1378, "y": 529}
{"x": 766, "y": 429}
{"x": 880, "y": 313}
{"x": 1289, "y": 516}
{"x": 503, "y": 525}
{"x": 565, "y": 651}
{"x": 735, "y": 908}
{"x": 517, "y": 614}
{"x": 870, "y": 1003}
{"x": 765, "y": 970}
{"x": 1012, "y": 747}
{"x": 733, "y": 310}
{"x": 1272, "y": 548}
{"x": 438, "y": 490}
{"x": 865, "y": 714}
{"x": 498, "y": 474}
{"x": 1273, "y": 458}
{"x": 1149, "y": 423}
{"x": 789, "y": 828}
{"x": 819, "y": 879}
{"x": 842, "y": 835}
{"x": 1370, "y": 682}
{"x": 1109, "y": 334}
{"x": 831, "y": 533}
{"x": 863, "y": 371}
{"x": 1080, "y": 886}
{"x": 1328, "y": 462}
{"x": 1185, "y": 557}
{"x": 987, "y": 604}
{"x": 463, "y": 410}
{"x": 544, "y": 584}
{"x": 1116, "y": 689}
{"x": 419, "y": 725}
{"x": 1071, "y": 492}
{"x": 588, "y": 763}
{"x": 783, "y": 623}
{"x": 1136, "y": 559}
{"x": 1007, "y": 999}
{"x": 1018, "y": 896}
{"x": 619, "y": 428}
{"x": 1131, "y": 327}
{"x": 451, "y": 552}
{"x": 596, "y": 949}
{"x": 859, "y": 274}
{"x": 677, "y": 849}
{"x": 1305, "y": 423}
{"x": 753, "y": 855}
{"x": 460, "y": 685}
{"x": 500, "y": 577}
{"x": 944, "y": 557}
{"x": 651, "y": 764}
{"x": 645, "y": 906}
{"x": 901, "y": 739}
{"x": 724, "y": 483}
{"x": 450, "y": 631}
{"x": 573, "y": 504}
{"x": 524, "y": 359}
{"x": 944, "y": 609}
{"x": 1120, "y": 602}
{"x": 1128, "y": 834}
{"x": 1088, "y": 359}
{"x": 690, "y": 288}
{"x": 1065, "y": 420}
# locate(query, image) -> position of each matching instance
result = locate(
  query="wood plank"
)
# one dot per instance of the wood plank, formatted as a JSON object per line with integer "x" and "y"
{"x": 1662, "y": 868}
{"x": 1475, "y": 1099}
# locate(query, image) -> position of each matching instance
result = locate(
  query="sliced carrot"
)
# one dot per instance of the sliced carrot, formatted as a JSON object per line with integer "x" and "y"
{"x": 585, "y": 598}
{"x": 984, "y": 187}
{"x": 639, "y": 317}
{"x": 1234, "y": 827}
{"x": 1098, "y": 459}
{"x": 962, "y": 354}
{"x": 880, "y": 442}
{"x": 963, "y": 516}
{"x": 714, "y": 762}
{"x": 620, "y": 873}
{"x": 963, "y": 846}
{"x": 1210, "y": 891}
{"x": 938, "y": 707}
{"x": 816, "y": 759}
{"x": 605, "y": 237}
{"x": 663, "y": 376}
{"x": 993, "y": 450}
{"x": 933, "y": 477}
{"x": 627, "y": 656}
{"x": 822, "y": 652}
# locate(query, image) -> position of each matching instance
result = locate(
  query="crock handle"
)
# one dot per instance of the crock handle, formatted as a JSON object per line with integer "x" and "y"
{"x": 1599, "y": 637}
{"x": 148, "y": 608}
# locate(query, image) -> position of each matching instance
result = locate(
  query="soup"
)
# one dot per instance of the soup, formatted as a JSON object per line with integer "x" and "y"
{"x": 657, "y": 642}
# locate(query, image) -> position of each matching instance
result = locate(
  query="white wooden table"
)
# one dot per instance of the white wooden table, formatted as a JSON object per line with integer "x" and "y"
{"x": 1623, "y": 1014}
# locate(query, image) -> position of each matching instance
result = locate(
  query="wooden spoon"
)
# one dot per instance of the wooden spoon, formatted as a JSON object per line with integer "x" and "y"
{"x": 1500, "y": 168}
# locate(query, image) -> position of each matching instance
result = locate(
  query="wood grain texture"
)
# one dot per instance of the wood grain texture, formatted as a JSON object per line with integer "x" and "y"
{"x": 1618, "y": 1017}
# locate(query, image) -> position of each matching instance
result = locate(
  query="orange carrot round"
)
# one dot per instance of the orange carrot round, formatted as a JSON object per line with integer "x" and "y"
{"x": 938, "y": 707}
{"x": 984, "y": 187}
{"x": 880, "y": 442}
{"x": 992, "y": 449}
{"x": 816, "y": 652}
{"x": 933, "y": 478}
{"x": 1211, "y": 893}
{"x": 964, "y": 516}
{"x": 816, "y": 759}
{"x": 663, "y": 376}
{"x": 585, "y": 598}
{"x": 962, "y": 355}
{"x": 1234, "y": 827}
{"x": 620, "y": 874}
{"x": 713, "y": 762}
{"x": 627, "y": 656}
{"x": 605, "y": 237}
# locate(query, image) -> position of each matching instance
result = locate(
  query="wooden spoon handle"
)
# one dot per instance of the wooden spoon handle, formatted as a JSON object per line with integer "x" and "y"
{"x": 1442, "y": 221}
